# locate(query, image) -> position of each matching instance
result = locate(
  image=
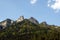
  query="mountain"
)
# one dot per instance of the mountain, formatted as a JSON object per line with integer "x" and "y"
{"x": 28, "y": 29}
{"x": 21, "y": 18}
{"x": 6, "y": 23}
{"x": 9, "y": 22}
{"x": 33, "y": 20}
{"x": 44, "y": 24}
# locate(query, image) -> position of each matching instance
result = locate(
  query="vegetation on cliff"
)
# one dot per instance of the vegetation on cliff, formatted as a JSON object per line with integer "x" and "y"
{"x": 27, "y": 30}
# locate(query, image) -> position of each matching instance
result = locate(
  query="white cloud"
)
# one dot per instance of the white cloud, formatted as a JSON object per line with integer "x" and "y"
{"x": 55, "y": 6}
{"x": 33, "y": 1}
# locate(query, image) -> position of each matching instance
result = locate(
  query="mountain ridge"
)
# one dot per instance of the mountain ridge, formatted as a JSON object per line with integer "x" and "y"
{"x": 26, "y": 29}
{"x": 9, "y": 22}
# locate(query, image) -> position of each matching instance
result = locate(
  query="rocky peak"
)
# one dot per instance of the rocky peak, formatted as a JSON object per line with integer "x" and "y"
{"x": 9, "y": 21}
{"x": 33, "y": 20}
{"x": 44, "y": 24}
{"x": 21, "y": 18}
{"x": 6, "y": 23}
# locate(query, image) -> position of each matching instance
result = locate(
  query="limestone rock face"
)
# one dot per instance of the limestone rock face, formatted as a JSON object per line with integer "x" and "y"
{"x": 6, "y": 23}
{"x": 20, "y": 19}
{"x": 33, "y": 20}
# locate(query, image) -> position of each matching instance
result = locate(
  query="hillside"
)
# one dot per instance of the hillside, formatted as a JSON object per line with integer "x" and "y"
{"x": 27, "y": 30}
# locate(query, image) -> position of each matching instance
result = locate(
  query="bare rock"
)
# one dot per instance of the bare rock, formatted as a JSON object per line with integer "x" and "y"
{"x": 6, "y": 23}
{"x": 20, "y": 19}
{"x": 33, "y": 20}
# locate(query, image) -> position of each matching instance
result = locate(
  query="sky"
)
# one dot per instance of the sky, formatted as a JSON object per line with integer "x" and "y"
{"x": 42, "y": 10}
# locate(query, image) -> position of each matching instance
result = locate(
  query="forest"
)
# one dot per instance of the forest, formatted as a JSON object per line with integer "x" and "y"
{"x": 27, "y": 30}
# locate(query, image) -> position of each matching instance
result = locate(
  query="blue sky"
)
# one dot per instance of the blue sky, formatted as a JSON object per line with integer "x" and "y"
{"x": 42, "y": 10}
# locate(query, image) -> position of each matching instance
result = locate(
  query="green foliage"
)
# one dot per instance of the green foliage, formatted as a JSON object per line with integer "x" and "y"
{"x": 26, "y": 30}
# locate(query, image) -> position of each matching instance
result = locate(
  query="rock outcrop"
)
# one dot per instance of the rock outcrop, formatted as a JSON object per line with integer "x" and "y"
{"x": 6, "y": 23}
{"x": 20, "y": 19}
{"x": 33, "y": 20}
{"x": 9, "y": 22}
{"x": 44, "y": 24}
